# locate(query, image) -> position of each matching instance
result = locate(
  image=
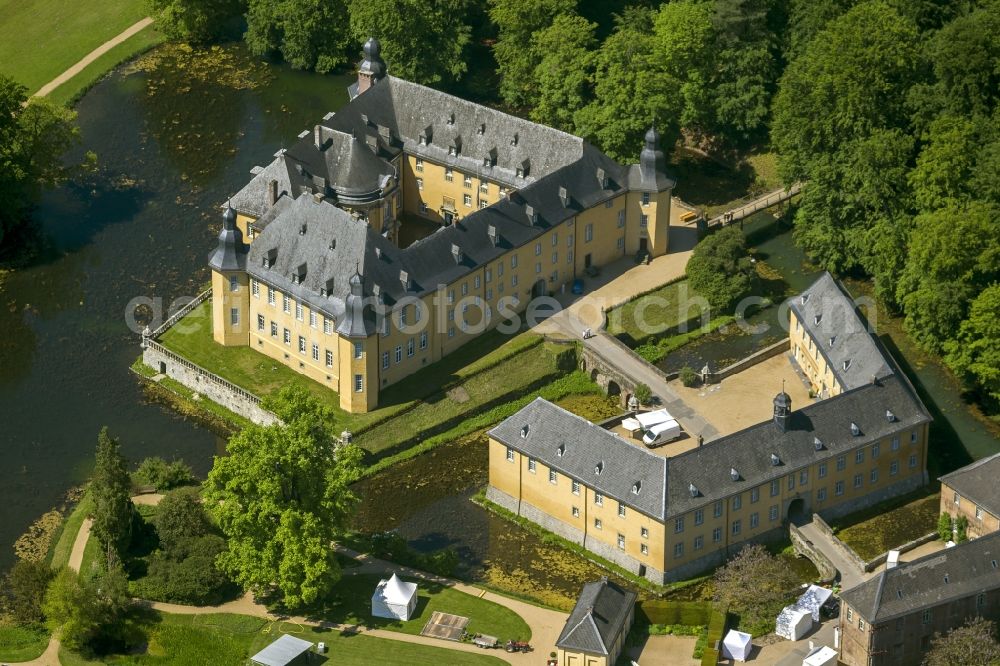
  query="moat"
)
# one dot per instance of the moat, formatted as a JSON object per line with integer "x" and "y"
{"x": 173, "y": 139}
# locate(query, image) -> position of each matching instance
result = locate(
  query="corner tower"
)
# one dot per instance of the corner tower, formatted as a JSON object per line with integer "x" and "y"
{"x": 230, "y": 285}
{"x": 357, "y": 351}
{"x": 650, "y": 191}
{"x": 371, "y": 70}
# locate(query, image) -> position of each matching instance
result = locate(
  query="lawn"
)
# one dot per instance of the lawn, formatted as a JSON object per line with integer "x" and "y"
{"x": 22, "y": 643}
{"x": 64, "y": 545}
{"x": 656, "y": 312}
{"x": 890, "y": 524}
{"x": 224, "y": 639}
{"x": 41, "y": 39}
{"x": 352, "y": 605}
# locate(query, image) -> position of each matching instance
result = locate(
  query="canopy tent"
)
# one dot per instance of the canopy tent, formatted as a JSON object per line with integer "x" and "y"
{"x": 645, "y": 421}
{"x": 394, "y": 599}
{"x": 821, "y": 656}
{"x": 283, "y": 652}
{"x": 736, "y": 645}
{"x": 793, "y": 623}
{"x": 813, "y": 599}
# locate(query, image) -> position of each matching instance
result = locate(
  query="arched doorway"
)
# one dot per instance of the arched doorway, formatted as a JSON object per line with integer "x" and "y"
{"x": 613, "y": 388}
{"x": 797, "y": 511}
{"x": 593, "y": 375}
{"x": 538, "y": 289}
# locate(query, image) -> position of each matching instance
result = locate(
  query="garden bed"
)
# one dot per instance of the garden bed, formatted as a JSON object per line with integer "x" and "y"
{"x": 888, "y": 525}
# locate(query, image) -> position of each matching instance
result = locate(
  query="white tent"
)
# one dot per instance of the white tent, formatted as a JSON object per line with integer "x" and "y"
{"x": 394, "y": 599}
{"x": 813, "y": 599}
{"x": 821, "y": 656}
{"x": 793, "y": 622}
{"x": 736, "y": 645}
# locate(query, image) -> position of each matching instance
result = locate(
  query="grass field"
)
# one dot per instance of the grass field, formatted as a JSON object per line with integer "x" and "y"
{"x": 228, "y": 640}
{"x": 890, "y": 524}
{"x": 657, "y": 312}
{"x": 22, "y": 643}
{"x": 39, "y": 39}
{"x": 64, "y": 545}
{"x": 352, "y": 605}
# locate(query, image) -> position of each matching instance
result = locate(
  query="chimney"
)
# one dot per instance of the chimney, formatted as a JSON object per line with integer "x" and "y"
{"x": 491, "y": 231}
{"x": 272, "y": 192}
{"x": 456, "y": 253}
{"x": 564, "y": 197}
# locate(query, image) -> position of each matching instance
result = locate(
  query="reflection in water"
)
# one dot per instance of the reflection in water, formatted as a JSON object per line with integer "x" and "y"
{"x": 141, "y": 227}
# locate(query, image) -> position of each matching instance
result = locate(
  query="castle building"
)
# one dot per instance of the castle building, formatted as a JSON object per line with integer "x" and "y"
{"x": 595, "y": 632}
{"x": 972, "y": 492}
{"x": 320, "y": 264}
{"x": 892, "y": 618}
{"x": 668, "y": 517}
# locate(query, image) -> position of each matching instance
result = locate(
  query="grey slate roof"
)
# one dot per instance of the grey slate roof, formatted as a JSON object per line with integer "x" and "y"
{"x": 839, "y": 321}
{"x": 231, "y": 252}
{"x": 666, "y": 482}
{"x": 954, "y": 573}
{"x": 253, "y": 200}
{"x": 586, "y": 447}
{"x": 282, "y": 651}
{"x": 597, "y": 618}
{"x": 978, "y": 482}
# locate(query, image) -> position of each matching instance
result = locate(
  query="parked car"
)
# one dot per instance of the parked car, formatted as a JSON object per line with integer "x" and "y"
{"x": 831, "y": 608}
{"x": 577, "y": 286}
{"x": 485, "y": 642}
{"x": 661, "y": 433}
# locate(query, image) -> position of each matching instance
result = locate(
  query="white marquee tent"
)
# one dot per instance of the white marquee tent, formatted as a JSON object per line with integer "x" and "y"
{"x": 813, "y": 599}
{"x": 394, "y": 599}
{"x": 793, "y": 623}
{"x": 821, "y": 656}
{"x": 737, "y": 645}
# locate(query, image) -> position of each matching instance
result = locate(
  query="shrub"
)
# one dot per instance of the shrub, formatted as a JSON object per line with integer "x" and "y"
{"x": 688, "y": 376}
{"x": 181, "y": 516}
{"x": 944, "y": 527}
{"x": 24, "y": 591}
{"x": 720, "y": 269}
{"x": 643, "y": 394}
{"x": 961, "y": 527}
{"x": 162, "y": 475}
{"x": 188, "y": 575}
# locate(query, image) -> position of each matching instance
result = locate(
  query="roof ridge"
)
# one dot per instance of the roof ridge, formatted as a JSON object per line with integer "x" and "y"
{"x": 971, "y": 466}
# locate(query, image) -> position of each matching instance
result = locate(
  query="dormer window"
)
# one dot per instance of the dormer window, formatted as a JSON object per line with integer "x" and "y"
{"x": 270, "y": 257}
{"x": 451, "y": 118}
{"x": 733, "y": 474}
{"x": 847, "y": 364}
{"x": 817, "y": 319}
{"x": 453, "y": 151}
{"x": 532, "y": 214}
{"x": 519, "y": 172}
{"x": 564, "y": 197}
{"x": 524, "y": 431}
{"x": 333, "y": 244}
{"x": 302, "y": 230}
{"x": 817, "y": 443}
{"x": 327, "y": 289}
{"x": 693, "y": 489}
{"x": 404, "y": 279}
{"x": 832, "y": 340}
{"x": 602, "y": 178}
{"x": 481, "y": 130}
{"x": 775, "y": 460}
{"x": 636, "y": 487}
{"x": 804, "y": 299}
{"x": 299, "y": 275}
{"x": 889, "y": 416}
{"x": 855, "y": 429}
{"x": 561, "y": 450}
{"x": 422, "y": 140}
{"x": 513, "y": 139}
{"x": 599, "y": 468}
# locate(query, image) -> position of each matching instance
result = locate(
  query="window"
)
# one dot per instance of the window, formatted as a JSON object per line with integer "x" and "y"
{"x": 621, "y": 243}
{"x": 821, "y": 494}
{"x": 467, "y": 200}
{"x": 679, "y": 525}
{"x": 298, "y": 311}
{"x": 874, "y": 451}
{"x": 754, "y": 495}
{"x": 510, "y": 454}
{"x": 385, "y": 360}
{"x": 838, "y": 489}
{"x": 791, "y": 481}
{"x": 598, "y": 524}
{"x": 717, "y": 535}
{"x": 423, "y": 340}
{"x": 736, "y": 527}
{"x": 418, "y": 164}
{"x": 359, "y": 350}
{"x": 775, "y": 487}
{"x": 861, "y": 624}
{"x": 538, "y": 267}
{"x": 422, "y": 206}
{"x": 699, "y": 516}
{"x": 315, "y": 352}
{"x": 699, "y": 542}
{"x": 287, "y": 336}
{"x": 894, "y": 468}
{"x": 643, "y": 220}
{"x": 913, "y": 461}
{"x": 553, "y": 477}
{"x": 598, "y": 499}
{"x": 913, "y": 438}
{"x": 410, "y": 347}
{"x": 957, "y": 499}
{"x": 737, "y": 502}
{"x": 399, "y": 353}
{"x": 234, "y": 316}
{"x": 513, "y": 280}
{"x": 679, "y": 550}
{"x": 575, "y": 511}
{"x": 621, "y": 218}
{"x": 302, "y": 345}
{"x": 927, "y": 616}
{"x": 327, "y": 326}
{"x": 465, "y": 289}
{"x": 449, "y": 174}
{"x": 260, "y": 322}
{"x": 286, "y": 304}
{"x": 874, "y": 475}
{"x": 532, "y": 465}
{"x": 274, "y": 330}
{"x": 895, "y": 443}
{"x": 555, "y": 257}
{"x": 621, "y": 510}
{"x": 484, "y": 187}
{"x": 980, "y": 600}
{"x": 859, "y": 456}
{"x": 754, "y": 519}
{"x": 773, "y": 513}
{"x": 483, "y": 203}
{"x": 255, "y": 288}
{"x": 576, "y": 487}
{"x": 717, "y": 510}
{"x": 841, "y": 463}
{"x": 644, "y": 549}
{"x": 588, "y": 233}
{"x": 329, "y": 358}
{"x": 645, "y": 198}
{"x": 234, "y": 283}
{"x": 822, "y": 470}
{"x": 359, "y": 383}
{"x": 420, "y": 186}
{"x": 312, "y": 318}
{"x": 621, "y": 542}
{"x": 270, "y": 296}
{"x": 850, "y": 615}
{"x": 857, "y": 480}
{"x": 644, "y": 532}
{"x": 467, "y": 182}
{"x": 451, "y": 332}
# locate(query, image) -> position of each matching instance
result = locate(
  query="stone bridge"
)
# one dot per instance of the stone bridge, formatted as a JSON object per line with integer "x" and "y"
{"x": 605, "y": 375}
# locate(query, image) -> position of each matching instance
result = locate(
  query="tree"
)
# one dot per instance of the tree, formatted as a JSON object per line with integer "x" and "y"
{"x": 161, "y": 475}
{"x": 110, "y": 489}
{"x": 24, "y": 591}
{"x": 972, "y": 644}
{"x": 88, "y": 613}
{"x": 309, "y": 34}
{"x": 949, "y": 161}
{"x": 188, "y": 574}
{"x": 720, "y": 269}
{"x": 961, "y": 529}
{"x": 194, "y": 21}
{"x": 643, "y": 394}
{"x": 564, "y": 70}
{"x": 944, "y": 527}
{"x": 517, "y": 22}
{"x": 180, "y": 516}
{"x": 281, "y": 497}
{"x": 34, "y": 134}
{"x": 422, "y": 40}
{"x": 975, "y": 352}
{"x": 754, "y": 584}
{"x": 683, "y": 44}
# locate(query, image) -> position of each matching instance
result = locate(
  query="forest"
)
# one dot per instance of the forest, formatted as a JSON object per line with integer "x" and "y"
{"x": 886, "y": 111}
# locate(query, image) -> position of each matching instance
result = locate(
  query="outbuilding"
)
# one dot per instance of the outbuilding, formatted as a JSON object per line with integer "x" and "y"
{"x": 394, "y": 599}
{"x": 286, "y": 651}
{"x": 737, "y": 645}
